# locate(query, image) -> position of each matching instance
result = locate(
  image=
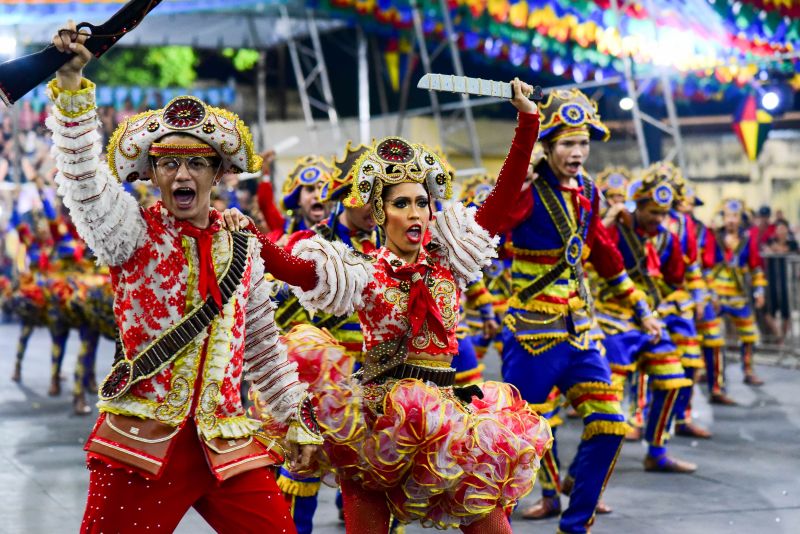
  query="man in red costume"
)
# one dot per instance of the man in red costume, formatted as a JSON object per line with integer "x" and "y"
{"x": 195, "y": 319}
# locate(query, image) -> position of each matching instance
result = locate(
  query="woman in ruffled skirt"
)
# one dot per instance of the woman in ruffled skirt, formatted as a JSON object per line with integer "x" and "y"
{"x": 401, "y": 439}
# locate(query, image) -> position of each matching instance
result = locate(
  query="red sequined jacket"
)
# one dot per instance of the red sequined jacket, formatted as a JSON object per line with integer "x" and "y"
{"x": 155, "y": 275}
{"x": 333, "y": 278}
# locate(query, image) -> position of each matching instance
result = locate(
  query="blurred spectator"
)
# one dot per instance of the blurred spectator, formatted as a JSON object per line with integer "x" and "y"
{"x": 27, "y": 117}
{"x": 7, "y": 128}
{"x": 783, "y": 240}
{"x": 781, "y": 245}
{"x": 126, "y": 112}
{"x": 26, "y": 160}
{"x": 763, "y": 229}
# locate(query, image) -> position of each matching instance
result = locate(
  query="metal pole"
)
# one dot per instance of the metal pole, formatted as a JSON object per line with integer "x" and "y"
{"x": 672, "y": 114}
{"x": 377, "y": 61}
{"x": 630, "y": 83}
{"x": 302, "y": 90}
{"x": 452, "y": 39}
{"x": 363, "y": 88}
{"x": 327, "y": 94}
{"x": 261, "y": 97}
{"x": 261, "y": 86}
{"x": 426, "y": 66}
{"x": 404, "y": 89}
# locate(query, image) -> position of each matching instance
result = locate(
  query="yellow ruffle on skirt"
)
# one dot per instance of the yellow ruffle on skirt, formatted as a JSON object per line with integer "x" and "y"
{"x": 440, "y": 462}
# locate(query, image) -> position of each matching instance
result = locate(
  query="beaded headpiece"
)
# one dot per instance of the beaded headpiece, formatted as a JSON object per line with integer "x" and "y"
{"x": 309, "y": 170}
{"x": 227, "y": 136}
{"x": 675, "y": 177}
{"x": 342, "y": 178}
{"x": 567, "y": 112}
{"x": 614, "y": 181}
{"x": 733, "y": 205}
{"x": 477, "y": 189}
{"x": 655, "y": 185}
{"x": 690, "y": 195}
{"x": 395, "y": 161}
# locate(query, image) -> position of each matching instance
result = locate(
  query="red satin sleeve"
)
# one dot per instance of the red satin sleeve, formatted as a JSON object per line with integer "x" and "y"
{"x": 709, "y": 254}
{"x": 691, "y": 240}
{"x": 493, "y": 215}
{"x": 603, "y": 245}
{"x": 675, "y": 268}
{"x": 266, "y": 202}
{"x": 754, "y": 261}
{"x": 283, "y": 266}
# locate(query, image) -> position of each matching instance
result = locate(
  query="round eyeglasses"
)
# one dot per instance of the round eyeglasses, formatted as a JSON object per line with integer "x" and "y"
{"x": 195, "y": 165}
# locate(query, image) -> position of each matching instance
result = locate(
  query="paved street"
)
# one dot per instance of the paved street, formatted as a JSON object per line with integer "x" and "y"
{"x": 748, "y": 481}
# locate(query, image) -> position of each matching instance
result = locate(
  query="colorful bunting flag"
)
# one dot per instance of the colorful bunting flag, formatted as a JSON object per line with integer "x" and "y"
{"x": 752, "y": 126}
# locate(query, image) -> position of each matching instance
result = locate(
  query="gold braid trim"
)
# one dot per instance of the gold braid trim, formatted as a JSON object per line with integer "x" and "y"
{"x": 629, "y": 368}
{"x": 486, "y": 298}
{"x": 591, "y": 387}
{"x": 596, "y": 428}
{"x": 428, "y": 363}
{"x": 73, "y": 104}
{"x": 475, "y": 373}
{"x": 116, "y": 138}
{"x": 695, "y": 363}
{"x": 298, "y": 488}
{"x": 193, "y": 149}
{"x": 671, "y": 383}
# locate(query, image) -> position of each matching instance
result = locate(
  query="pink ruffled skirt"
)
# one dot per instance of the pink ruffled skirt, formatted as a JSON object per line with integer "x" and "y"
{"x": 441, "y": 462}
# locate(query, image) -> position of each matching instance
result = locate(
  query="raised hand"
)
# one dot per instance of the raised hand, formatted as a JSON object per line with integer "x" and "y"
{"x": 522, "y": 92}
{"x": 70, "y": 41}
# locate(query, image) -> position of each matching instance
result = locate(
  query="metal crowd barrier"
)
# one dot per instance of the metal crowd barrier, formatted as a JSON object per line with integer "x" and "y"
{"x": 782, "y": 304}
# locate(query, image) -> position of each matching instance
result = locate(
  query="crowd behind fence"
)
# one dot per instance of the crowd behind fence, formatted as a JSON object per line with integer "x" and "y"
{"x": 26, "y": 163}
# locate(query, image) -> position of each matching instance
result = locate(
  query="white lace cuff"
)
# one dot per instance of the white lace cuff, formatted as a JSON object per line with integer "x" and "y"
{"x": 106, "y": 217}
{"x": 468, "y": 247}
{"x": 72, "y": 104}
{"x": 342, "y": 275}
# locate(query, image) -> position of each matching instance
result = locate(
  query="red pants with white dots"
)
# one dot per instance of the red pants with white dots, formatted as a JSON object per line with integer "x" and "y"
{"x": 121, "y": 501}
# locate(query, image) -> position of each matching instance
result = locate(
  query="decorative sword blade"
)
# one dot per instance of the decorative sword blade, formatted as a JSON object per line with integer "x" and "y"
{"x": 471, "y": 86}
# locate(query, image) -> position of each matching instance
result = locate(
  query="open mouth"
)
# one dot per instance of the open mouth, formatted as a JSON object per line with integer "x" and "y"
{"x": 574, "y": 167}
{"x": 184, "y": 197}
{"x": 414, "y": 233}
{"x": 317, "y": 209}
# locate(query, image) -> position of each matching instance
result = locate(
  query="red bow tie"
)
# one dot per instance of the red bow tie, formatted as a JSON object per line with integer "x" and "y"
{"x": 422, "y": 306}
{"x": 578, "y": 199}
{"x": 207, "y": 278}
{"x": 362, "y": 239}
{"x": 653, "y": 259}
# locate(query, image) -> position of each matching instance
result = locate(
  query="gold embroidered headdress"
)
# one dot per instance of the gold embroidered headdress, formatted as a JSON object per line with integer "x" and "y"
{"x": 342, "y": 178}
{"x": 656, "y": 185}
{"x": 614, "y": 181}
{"x": 134, "y": 140}
{"x": 308, "y": 170}
{"x": 393, "y": 161}
{"x": 733, "y": 205}
{"x": 477, "y": 189}
{"x": 567, "y": 112}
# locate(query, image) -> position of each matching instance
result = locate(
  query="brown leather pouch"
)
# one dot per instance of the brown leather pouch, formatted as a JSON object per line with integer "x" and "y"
{"x": 384, "y": 357}
{"x": 139, "y": 443}
{"x": 230, "y": 457}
